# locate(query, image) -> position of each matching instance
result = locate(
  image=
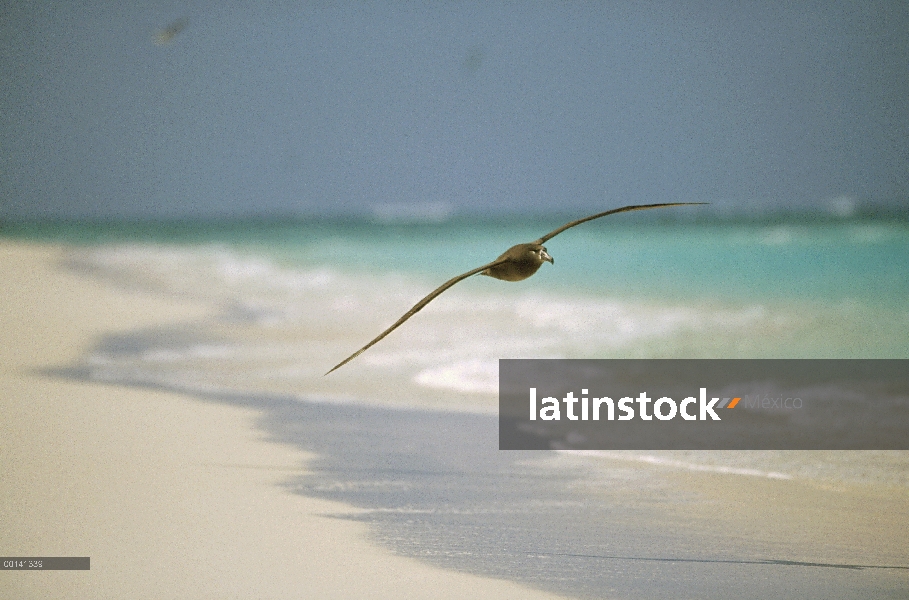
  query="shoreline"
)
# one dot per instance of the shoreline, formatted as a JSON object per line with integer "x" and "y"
{"x": 251, "y": 494}
{"x": 169, "y": 495}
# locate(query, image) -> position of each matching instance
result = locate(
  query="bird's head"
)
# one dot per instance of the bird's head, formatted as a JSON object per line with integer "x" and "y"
{"x": 542, "y": 255}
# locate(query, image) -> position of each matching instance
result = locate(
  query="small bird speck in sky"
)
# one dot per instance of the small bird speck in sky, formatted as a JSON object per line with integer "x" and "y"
{"x": 165, "y": 36}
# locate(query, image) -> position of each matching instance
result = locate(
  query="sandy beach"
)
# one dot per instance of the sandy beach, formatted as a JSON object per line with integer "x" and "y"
{"x": 170, "y": 496}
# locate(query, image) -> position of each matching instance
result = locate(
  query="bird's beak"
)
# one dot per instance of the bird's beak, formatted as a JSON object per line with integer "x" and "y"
{"x": 545, "y": 256}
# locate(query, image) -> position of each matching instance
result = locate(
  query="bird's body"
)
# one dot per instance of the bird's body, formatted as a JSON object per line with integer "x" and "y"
{"x": 518, "y": 262}
{"x": 515, "y": 264}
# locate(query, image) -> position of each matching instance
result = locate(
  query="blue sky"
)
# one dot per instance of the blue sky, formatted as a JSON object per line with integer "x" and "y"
{"x": 299, "y": 108}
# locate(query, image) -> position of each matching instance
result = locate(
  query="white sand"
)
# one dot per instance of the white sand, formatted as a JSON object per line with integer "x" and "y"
{"x": 171, "y": 497}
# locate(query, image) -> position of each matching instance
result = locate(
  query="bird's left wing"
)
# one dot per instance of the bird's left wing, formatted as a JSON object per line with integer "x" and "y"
{"x": 556, "y": 232}
{"x": 417, "y": 307}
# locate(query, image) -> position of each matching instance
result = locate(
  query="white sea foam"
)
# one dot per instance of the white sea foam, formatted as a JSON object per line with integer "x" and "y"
{"x": 618, "y": 324}
{"x": 663, "y": 461}
{"x": 470, "y": 376}
{"x": 277, "y": 327}
{"x": 778, "y": 236}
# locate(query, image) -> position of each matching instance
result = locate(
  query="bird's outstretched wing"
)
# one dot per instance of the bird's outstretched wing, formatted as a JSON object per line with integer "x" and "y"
{"x": 556, "y": 232}
{"x": 432, "y": 295}
{"x": 418, "y": 306}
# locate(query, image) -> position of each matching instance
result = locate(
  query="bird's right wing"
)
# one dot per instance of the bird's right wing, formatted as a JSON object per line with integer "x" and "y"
{"x": 556, "y": 232}
{"x": 417, "y": 307}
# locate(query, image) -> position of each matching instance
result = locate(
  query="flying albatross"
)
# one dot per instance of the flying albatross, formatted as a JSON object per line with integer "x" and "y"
{"x": 515, "y": 264}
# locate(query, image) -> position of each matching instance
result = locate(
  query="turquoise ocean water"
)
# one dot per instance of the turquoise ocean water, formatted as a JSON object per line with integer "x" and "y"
{"x": 292, "y": 299}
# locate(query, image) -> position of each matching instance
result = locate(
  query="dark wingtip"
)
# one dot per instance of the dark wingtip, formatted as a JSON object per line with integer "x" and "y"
{"x": 335, "y": 368}
{"x": 350, "y": 358}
